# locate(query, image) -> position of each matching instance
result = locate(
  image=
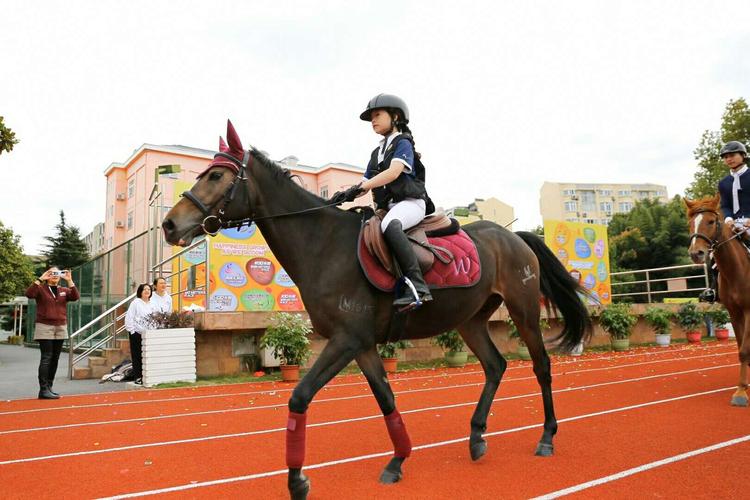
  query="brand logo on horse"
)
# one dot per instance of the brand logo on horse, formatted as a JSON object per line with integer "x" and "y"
{"x": 527, "y": 274}
{"x": 462, "y": 265}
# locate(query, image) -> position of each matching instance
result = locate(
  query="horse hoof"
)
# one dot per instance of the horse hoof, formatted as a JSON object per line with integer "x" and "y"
{"x": 390, "y": 476}
{"x": 300, "y": 488}
{"x": 478, "y": 450}
{"x": 544, "y": 450}
{"x": 739, "y": 401}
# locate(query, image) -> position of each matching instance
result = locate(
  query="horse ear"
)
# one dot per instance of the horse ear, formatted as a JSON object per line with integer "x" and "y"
{"x": 688, "y": 202}
{"x": 223, "y": 148}
{"x": 716, "y": 200}
{"x": 235, "y": 144}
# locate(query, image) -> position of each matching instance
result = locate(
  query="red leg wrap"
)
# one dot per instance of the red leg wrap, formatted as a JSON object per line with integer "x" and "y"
{"x": 399, "y": 436}
{"x": 295, "y": 440}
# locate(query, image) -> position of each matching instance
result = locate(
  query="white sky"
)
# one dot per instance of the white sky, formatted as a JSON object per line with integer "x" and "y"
{"x": 503, "y": 95}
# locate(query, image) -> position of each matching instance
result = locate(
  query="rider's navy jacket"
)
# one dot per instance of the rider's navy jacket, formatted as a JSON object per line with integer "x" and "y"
{"x": 725, "y": 190}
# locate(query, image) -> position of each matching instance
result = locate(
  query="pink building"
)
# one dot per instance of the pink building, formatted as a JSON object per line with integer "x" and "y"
{"x": 130, "y": 184}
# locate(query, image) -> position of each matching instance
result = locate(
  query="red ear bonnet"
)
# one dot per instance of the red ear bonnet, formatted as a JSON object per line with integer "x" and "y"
{"x": 234, "y": 149}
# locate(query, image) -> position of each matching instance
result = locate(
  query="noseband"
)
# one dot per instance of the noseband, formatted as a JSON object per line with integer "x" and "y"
{"x": 212, "y": 224}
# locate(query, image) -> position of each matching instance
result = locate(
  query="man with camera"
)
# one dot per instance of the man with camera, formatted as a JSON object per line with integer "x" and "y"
{"x": 51, "y": 328}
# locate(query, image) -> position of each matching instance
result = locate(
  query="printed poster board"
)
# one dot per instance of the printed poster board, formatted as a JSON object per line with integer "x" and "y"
{"x": 583, "y": 250}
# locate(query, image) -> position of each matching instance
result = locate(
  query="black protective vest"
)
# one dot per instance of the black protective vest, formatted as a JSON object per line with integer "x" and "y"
{"x": 405, "y": 185}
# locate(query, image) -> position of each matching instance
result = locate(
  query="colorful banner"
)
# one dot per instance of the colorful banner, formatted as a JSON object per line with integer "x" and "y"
{"x": 583, "y": 250}
{"x": 244, "y": 275}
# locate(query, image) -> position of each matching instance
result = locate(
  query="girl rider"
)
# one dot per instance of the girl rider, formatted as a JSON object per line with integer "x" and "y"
{"x": 396, "y": 177}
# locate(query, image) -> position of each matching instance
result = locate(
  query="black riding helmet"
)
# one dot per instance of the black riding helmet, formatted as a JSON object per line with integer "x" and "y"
{"x": 385, "y": 101}
{"x": 733, "y": 147}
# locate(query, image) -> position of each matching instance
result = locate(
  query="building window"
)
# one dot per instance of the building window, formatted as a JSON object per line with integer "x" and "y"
{"x": 588, "y": 201}
{"x": 605, "y": 206}
{"x": 606, "y": 221}
{"x": 572, "y": 219}
{"x": 624, "y": 192}
{"x": 324, "y": 192}
{"x": 111, "y": 210}
{"x": 625, "y": 206}
{"x": 660, "y": 193}
{"x": 569, "y": 192}
{"x": 643, "y": 194}
{"x": 131, "y": 187}
{"x": 130, "y": 220}
{"x": 571, "y": 206}
{"x": 605, "y": 192}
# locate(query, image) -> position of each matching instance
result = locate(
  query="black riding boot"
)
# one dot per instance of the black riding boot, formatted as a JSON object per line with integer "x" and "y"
{"x": 45, "y": 347}
{"x": 711, "y": 294}
{"x": 407, "y": 261}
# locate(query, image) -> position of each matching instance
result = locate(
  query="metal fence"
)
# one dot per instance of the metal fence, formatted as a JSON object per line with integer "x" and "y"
{"x": 651, "y": 284}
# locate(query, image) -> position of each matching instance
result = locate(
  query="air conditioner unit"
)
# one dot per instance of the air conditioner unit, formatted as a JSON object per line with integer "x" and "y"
{"x": 119, "y": 223}
{"x": 574, "y": 197}
{"x": 120, "y": 196}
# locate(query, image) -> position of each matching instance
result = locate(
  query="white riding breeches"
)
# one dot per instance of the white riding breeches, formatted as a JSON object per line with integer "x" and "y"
{"x": 410, "y": 212}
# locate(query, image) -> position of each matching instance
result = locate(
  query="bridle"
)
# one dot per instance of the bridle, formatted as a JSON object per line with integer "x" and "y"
{"x": 212, "y": 224}
{"x": 713, "y": 243}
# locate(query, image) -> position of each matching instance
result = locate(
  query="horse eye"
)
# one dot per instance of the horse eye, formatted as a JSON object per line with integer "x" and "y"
{"x": 711, "y": 222}
{"x": 215, "y": 176}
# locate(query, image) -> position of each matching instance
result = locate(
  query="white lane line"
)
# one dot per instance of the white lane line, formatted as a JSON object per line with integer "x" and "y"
{"x": 326, "y": 400}
{"x": 642, "y": 468}
{"x": 433, "y": 377}
{"x": 415, "y": 448}
{"x": 336, "y": 422}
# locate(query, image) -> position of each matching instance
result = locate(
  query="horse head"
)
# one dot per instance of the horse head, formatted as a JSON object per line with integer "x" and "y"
{"x": 704, "y": 224}
{"x": 221, "y": 193}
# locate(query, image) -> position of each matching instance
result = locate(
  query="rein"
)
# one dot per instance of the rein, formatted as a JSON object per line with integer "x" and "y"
{"x": 212, "y": 224}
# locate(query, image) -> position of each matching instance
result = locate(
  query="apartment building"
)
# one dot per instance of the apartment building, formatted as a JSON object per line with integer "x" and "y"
{"x": 594, "y": 203}
{"x": 490, "y": 209}
{"x": 95, "y": 240}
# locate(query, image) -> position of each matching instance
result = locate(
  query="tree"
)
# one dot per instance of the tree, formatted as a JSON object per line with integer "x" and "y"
{"x": 66, "y": 250}
{"x": 15, "y": 268}
{"x": 735, "y": 126}
{"x": 652, "y": 235}
{"x": 7, "y": 137}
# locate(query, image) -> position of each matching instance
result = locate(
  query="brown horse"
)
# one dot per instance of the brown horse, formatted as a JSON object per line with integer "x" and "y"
{"x": 709, "y": 235}
{"x": 316, "y": 244}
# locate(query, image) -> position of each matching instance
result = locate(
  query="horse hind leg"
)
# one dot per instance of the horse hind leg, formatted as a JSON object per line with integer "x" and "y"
{"x": 372, "y": 367}
{"x": 526, "y": 319}
{"x": 476, "y": 335}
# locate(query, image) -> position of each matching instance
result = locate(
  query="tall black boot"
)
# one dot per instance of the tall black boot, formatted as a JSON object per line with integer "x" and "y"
{"x": 711, "y": 294}
{"x": 52, "y": 371}
{"x": 407, "y": 261}
{"x": 45, "y": 347}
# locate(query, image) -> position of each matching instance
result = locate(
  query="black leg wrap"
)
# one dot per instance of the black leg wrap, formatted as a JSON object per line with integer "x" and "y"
{"x": 392, "y": 472}
{"x": 298, "y": 484}
{"x": 544, "y": 450}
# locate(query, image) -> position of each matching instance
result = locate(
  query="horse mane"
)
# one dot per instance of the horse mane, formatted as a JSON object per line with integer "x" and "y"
{"x": 283, "y": 175}
{"x": 702, "y": 204}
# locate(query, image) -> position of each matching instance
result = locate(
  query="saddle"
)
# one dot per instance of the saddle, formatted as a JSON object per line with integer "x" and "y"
{"x": 437, "y": 224}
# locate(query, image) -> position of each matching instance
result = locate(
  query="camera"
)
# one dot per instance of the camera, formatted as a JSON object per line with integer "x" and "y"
{"x": 58, "y": 273}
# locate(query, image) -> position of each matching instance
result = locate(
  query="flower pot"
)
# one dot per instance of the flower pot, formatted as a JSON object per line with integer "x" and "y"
{"x": 693, "y": 337}
{"x": 721, "y": 333}
{"x": 663, "y": 339}
{"x": 289, "y": 373}
{"x": 390, "y": 364}
{"x": 523, "y": 352}
{"x": 620, "y": 345}
{"x": 577, "y": 350}
{"x": 456, "y": 359}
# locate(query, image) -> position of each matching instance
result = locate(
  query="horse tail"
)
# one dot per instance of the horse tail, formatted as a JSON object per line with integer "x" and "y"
{"x": 562, "y": 291}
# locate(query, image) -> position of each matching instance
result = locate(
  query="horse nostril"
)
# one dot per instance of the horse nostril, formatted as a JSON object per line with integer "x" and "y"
{"x": 168, "y": 224}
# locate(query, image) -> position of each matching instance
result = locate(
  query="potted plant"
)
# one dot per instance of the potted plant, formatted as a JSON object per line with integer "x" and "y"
{"x": 689, "y": 318}
{"x": 719, "y": 317}
{"x": 168, "y": 334}
{"x": 659, "y": 320}
{"x": 513, "y": 333}
{"x": 453, "y": 345}
{"x": 287, "y": 336}
{"x": 618, "y": 321}
{"x": 387, "y": 352}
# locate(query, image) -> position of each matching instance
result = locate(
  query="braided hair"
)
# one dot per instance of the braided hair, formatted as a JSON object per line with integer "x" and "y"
{"x": 398, "y": 121}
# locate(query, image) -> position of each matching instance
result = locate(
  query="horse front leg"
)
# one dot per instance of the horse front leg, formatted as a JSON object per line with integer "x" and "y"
{"x": 372, "y": 367}
{"x": 339, "y": 351}
{"x": 742, "y": 334}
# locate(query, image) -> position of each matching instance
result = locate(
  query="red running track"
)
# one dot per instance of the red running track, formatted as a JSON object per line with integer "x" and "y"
{"x": 653, "y": 422}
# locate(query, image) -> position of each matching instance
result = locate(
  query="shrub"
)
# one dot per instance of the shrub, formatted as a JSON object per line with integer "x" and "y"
{"x": 174, "y": 319}
{"x": 617, "y": 320}
{"x": 450, "y": 341}
{"x": 287, "y": 335}
{"x": 689, "y": 317}
{"x": 513, "y": 332}
{"x": 659, "y": 320}
{"x": 719, "y": 316}
{"x": 388, "y": 349}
